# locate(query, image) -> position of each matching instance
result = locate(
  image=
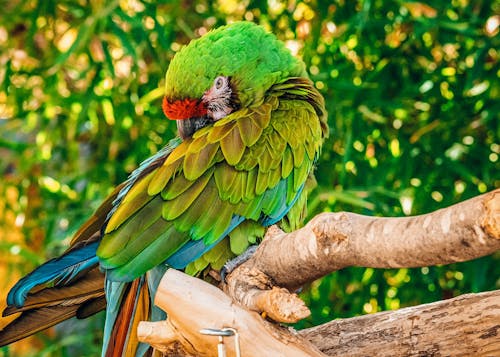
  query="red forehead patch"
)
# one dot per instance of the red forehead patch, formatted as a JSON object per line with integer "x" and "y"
{"x": 183, "y": 109}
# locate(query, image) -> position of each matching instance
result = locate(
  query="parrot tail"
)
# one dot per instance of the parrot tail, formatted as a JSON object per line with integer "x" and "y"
{"x": 128, "y": 304}
{"x": 48, "y": 306}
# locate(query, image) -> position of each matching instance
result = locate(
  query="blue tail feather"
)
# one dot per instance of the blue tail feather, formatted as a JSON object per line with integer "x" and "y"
{"x": 61, "y": 270}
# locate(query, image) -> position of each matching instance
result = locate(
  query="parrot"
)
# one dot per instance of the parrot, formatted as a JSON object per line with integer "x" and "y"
{"x": 251, "y": 125}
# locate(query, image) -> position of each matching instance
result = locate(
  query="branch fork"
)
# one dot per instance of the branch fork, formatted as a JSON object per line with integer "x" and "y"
{"x": 283, "y": 262}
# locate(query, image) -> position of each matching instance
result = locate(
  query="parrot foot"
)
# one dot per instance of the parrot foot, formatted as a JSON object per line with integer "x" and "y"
{"x": 236, "y": 262}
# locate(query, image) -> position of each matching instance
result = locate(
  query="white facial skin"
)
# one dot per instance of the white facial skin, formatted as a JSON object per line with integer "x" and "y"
{"x": 218, "y": 99}
{"x": 219, "y": 102}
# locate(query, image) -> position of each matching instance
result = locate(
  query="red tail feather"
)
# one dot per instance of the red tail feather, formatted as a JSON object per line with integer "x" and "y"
{"x": 122, "y": 323}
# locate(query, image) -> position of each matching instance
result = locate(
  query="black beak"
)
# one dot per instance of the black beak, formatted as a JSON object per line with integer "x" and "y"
{"x": 187, "y": 127}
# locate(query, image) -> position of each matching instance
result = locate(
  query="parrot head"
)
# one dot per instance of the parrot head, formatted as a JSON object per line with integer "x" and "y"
{"x": 225, "y": 70}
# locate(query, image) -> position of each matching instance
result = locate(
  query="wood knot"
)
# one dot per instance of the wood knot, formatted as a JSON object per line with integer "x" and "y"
{"x": 491, "y": 223}
{"x": 332, "y": 227}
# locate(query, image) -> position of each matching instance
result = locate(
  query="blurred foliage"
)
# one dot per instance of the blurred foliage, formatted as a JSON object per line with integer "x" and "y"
{"x": 412, "y": 91}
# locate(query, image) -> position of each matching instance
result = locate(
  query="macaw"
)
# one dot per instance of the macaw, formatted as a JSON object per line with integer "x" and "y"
{"x": 251, "y": 125}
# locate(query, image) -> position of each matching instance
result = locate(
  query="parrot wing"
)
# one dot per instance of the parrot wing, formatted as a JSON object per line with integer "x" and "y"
{"x": 251, "y": 165}
{"x": 72, "y": 284}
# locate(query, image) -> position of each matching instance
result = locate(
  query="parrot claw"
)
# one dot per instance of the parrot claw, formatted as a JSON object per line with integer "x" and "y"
{"x": 236, "y": 262}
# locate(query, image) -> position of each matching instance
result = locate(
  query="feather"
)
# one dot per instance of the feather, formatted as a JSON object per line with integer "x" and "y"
{"x": 119, "y": 239}
{"x": 224, "y": 177}
{"x": 287, "y": 162}
{"x": 174, "y": 208}
{"x": 62, "y": 270}
{"x": 89, "y": 287}
{"x": 232, "y": 146}
{"x": 50, "y": 306}
{"x": 192, "y": 250}
{"x": 161, "y": 177}
{"x": 121, "y": 325}
{"x": 196, "y": 164}
{"x": 153, "y": 254}
{"x": 33, "y": 321}
{"x": 250, "y": 132}
{"x": 262, "y": 183}
{"x": 211, "y": 213}
{"x": 141, "y": 313}
{"x": 219, "y": 131}
{"x": 128, "y": 207}
{"x": 91, "y": 307}
{"x": 138, "y": 241}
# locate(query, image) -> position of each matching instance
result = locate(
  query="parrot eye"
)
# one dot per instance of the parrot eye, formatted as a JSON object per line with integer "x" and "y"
{"x": 220, "y": 100}
{"x": 220, "y": 82}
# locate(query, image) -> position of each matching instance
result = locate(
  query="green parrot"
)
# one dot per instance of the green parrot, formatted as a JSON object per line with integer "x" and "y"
{"x": 251, "y": 125}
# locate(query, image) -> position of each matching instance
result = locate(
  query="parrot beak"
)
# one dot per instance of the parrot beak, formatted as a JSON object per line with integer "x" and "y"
{"x": 187, "y": 127}
{"x": 184, "y": 109}
{"x": 190, "y": 114}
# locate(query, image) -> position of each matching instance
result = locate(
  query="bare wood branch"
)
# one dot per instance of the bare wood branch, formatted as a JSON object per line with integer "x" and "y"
{"x": 327, "y": 243}
{"x": 468, "y": 325}
{"x": 332, "y": 241}
{"x": 192, "y": 304}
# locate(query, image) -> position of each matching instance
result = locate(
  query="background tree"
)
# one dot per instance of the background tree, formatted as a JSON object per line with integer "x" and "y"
{"x": 412, "y": 90}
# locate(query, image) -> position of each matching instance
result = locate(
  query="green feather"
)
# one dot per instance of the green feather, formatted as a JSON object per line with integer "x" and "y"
{"x": 200, "y": 264}
{"x": 232, "y": 146}
{"x": 274, "y": 177}
{"x": 211, "y": 212}
{"x": 175, "y": 207}
{"x": 118, "y": 239}
{"x": 298, "y": 155}
{"x": 219, "y": 132}
{"x": 250, "y": 131}
{"x": 136, "y": 198}
{"x": 246, "y": 233}
{"x": 262, "y": 183}
{"x": 161, "y": 176}
{"x": 195, "y": 164}
{"x": 154, "y": 254}
{"x": 224, "y": 176}
{"x": 287, "y": 162}
{"x": 136, "y": 244}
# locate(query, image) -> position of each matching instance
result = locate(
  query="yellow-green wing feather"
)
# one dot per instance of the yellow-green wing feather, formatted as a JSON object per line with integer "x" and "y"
{"x": 250, "y": 165}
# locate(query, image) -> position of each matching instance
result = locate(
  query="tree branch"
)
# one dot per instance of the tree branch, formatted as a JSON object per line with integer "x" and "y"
{"x": 468, "y": 325}
{"x": 329, "y": 242}
{"x": 332, "y": 241}
{"x": 192, "y": 305}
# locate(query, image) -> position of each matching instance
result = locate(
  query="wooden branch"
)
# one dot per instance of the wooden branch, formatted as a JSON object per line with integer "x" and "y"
{"x": 192, "y": 305}
{"x": 332, "y": 241}
{"x": 329, "y": 242}
{"x": 468, "y": 325}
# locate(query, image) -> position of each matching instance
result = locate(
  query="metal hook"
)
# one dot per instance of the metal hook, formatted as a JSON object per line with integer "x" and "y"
{"x": 221, "y": 333}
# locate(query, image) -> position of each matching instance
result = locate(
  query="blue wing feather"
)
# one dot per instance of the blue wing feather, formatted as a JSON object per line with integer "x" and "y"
{"x": 60, "y": 270}
{"x": 194, "y": 249}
